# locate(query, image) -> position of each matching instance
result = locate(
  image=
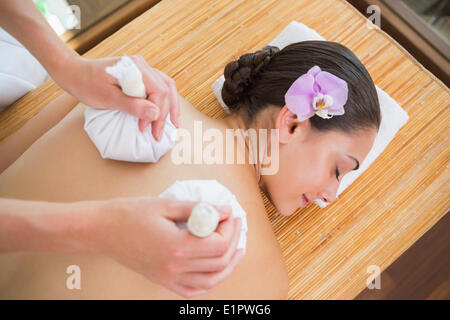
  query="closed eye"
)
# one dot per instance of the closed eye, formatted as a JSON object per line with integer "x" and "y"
{"x": 337, "y": 174}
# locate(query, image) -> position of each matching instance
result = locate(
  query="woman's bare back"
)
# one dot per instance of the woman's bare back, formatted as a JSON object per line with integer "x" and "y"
{"x": 64, "y": 165}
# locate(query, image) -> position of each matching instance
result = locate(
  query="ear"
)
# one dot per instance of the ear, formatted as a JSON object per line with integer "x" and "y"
{"x": 288, "y": 125}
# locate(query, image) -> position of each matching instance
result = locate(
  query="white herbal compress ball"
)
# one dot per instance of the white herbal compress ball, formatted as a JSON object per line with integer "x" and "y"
{"x": 116, "y": 134}
{"x": 129, "y": 77}
{"x": 203, "y": 220}
{"x": 213, "y": 193}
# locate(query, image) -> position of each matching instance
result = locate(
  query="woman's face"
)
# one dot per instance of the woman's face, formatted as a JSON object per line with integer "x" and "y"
{"x": 308, "y": 161}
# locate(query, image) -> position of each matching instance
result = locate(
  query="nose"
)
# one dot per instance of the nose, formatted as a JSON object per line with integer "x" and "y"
{"x": 327, "y": 198}
{"x": 329, "y": 194}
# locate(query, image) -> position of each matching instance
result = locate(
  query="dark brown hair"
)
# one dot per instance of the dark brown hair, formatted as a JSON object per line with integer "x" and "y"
{"x": 262, "y": 78}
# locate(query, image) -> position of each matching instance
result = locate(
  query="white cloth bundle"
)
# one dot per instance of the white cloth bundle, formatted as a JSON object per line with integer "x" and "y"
{"x": 393, "y": 116}
{"x": 20, "y": 72}
{"x": 116, "y": 134}
{"x": 212, "y": 192}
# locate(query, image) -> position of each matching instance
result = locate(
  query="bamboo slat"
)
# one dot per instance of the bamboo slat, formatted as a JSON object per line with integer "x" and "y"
{"x": 403, "y": 193}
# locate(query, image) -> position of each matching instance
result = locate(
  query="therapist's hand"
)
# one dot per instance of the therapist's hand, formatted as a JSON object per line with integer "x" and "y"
{"x": 141, "y": 233}
{"x": 87, "y": 80}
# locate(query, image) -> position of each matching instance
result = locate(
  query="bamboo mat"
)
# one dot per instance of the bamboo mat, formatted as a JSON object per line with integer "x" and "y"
{"x": 403, "y": 193}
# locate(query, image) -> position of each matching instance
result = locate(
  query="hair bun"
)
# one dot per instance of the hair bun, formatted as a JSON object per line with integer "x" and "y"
{"x": 240, "y": 74}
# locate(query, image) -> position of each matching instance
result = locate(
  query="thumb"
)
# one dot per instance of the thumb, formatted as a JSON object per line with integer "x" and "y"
{"x": 138, "y": 107}
{"x": 179, "y": 210}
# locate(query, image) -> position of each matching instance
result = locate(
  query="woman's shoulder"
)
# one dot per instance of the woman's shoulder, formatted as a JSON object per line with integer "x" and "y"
{"x": 264, "y": 257}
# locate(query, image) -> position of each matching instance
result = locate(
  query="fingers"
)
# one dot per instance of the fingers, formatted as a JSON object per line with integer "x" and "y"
{"x": 179, "y": 210}
{"x": 173, "y": 97}
{"x": 215, "y": 264}
{"x": 162, "y": 91}
{"x": 143, "y": 124}
{"x": 214, "y": 245}
{"x": 175, "y": 110}
{"x": 141, "y": 108}
{"x": 158, "y": 125}
{"x": 200, "y": 264}
{"x": 185, "y": 291}
{"x": 208, "y": 281}
{"x": 190, "y": 246}
{"x": 152, "y": 80}
{"x": 224, "y": 212}
{"x": 157, "y": 92}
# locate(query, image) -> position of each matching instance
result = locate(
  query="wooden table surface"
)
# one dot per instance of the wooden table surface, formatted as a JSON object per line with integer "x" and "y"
{"x": 402, "y": 194}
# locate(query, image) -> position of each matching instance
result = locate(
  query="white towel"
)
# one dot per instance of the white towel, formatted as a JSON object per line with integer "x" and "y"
{"x": 208, "y": 191}
{"x": 393, "y": 116}
{"x": 116, "y": 134}
{"x": 20, "y": 72}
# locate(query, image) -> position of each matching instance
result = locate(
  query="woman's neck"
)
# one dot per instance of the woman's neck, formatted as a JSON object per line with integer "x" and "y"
{"x": 236, "y": 122}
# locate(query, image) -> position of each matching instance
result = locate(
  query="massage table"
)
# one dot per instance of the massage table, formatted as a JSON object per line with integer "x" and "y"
{"x": 328, "y": 251}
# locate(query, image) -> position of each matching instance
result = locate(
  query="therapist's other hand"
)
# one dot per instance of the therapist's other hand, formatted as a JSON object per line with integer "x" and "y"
{"x": 141, "y": 234}
{"x": 87, "y": 80}
{"x": 162, "y": 90}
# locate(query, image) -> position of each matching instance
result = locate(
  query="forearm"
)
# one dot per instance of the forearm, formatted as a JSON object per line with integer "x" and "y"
{"x": 22, "y": 19}
{"x": 51, "y": 227}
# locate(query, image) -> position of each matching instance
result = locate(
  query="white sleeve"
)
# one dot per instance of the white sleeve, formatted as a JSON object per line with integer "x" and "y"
{"x": 20, "y": 72}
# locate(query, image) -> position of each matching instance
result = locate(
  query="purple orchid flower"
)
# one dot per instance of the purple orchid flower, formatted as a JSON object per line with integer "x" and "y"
{"x": 317, "y": 92}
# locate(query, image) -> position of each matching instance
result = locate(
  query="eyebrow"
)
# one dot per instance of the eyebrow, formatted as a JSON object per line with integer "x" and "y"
{"x": 357, "y": 162}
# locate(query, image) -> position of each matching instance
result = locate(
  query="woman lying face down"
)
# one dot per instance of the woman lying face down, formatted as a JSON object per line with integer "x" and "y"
{"x": 63, "y": 166}
{"x": 314, "y": 153}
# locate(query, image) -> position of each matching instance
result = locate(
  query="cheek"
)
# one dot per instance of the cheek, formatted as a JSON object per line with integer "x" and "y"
{"x": 287, "y": 185}
{"x": 315, "y": 170}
